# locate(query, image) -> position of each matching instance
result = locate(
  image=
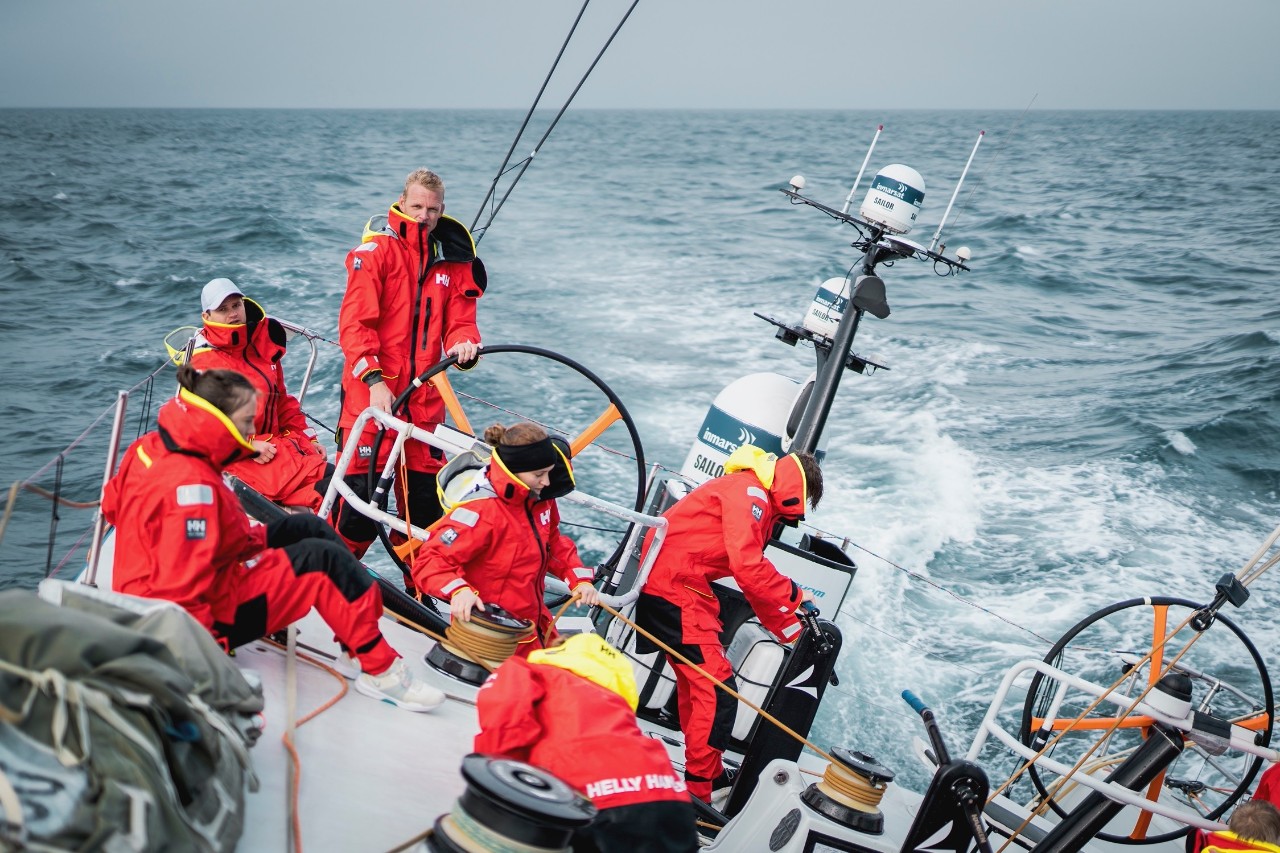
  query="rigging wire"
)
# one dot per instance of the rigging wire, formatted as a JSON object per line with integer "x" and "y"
{"x": 145, "y": 415}
{"x": 525, "y": 163}
{"x": 502, "y": 169}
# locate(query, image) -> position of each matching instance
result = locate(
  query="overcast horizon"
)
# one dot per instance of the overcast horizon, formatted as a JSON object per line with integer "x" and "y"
{"x": 705, "y": 54}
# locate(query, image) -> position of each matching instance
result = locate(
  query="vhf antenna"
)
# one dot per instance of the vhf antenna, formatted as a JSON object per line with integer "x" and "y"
{"x": 938, "y": 234}
{"x": 853, "y": 189}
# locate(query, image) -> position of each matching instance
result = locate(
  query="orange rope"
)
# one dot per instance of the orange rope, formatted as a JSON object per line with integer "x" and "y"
{"x": 291, "y": 747}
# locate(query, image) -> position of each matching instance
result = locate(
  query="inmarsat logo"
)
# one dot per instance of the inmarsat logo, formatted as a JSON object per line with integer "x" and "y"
{"x": 723, "y": 443}
{"x": 745, "y": 436}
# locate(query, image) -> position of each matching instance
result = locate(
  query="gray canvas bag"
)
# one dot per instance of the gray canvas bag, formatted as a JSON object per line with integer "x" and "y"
{"x": 123, "y": 725}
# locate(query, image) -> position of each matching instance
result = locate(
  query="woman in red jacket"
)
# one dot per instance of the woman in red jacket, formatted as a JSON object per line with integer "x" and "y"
{"x": 181, "y": 536}
{"x": 502, "y": 534}
{"x": 237, "y": 335}
{"x": 720, "y": 530}
{"x": 570, "y": 710}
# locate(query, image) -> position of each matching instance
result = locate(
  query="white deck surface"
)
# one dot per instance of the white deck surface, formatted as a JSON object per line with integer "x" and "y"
{"x": 373, "y": 776}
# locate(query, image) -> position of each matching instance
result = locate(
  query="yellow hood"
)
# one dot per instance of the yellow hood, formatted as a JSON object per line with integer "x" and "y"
{"x": 589, "y": 656}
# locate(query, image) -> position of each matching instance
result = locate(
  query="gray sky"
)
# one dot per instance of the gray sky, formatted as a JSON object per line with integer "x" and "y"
{"x": 845, "y": 54}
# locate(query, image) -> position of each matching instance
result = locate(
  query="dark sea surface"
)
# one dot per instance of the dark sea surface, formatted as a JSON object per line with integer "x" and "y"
{"x": 1091, "y": 414}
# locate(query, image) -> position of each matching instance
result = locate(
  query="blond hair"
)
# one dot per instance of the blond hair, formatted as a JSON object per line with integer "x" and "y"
{"x": 424, "y": 178}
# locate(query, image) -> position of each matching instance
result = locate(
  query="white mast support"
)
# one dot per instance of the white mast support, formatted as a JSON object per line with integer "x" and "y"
{"x": 938, "y": 234}
{"x": 99, "y": 521}
{"x": 853, "y": 189}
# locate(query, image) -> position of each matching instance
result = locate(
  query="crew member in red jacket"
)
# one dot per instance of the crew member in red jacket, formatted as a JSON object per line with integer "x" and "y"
{"x": 502, "y": 534}
{"x": 181, "y": 536}
{"x": 412, "y": 287}
{"x": 237, "y": 335}
{"x": 720, "y": 530}
{"x": 1269, "y": 786}
{"x": 570, "y": 710}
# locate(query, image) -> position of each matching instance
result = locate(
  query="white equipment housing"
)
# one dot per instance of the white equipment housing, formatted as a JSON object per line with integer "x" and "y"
{"x": 755, "y": 409}
{"x": 895, "y": 198}
{"x": 828, "y": 307}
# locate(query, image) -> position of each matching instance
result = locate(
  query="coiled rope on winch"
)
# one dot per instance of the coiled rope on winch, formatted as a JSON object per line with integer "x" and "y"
{"x": 850, "y": 789}
{"x": 483, "y": 644}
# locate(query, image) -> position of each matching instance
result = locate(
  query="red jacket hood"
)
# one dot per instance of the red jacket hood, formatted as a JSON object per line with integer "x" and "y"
{"x": 454, "y": 241}
{"x": 506, "y": 485}
{"x": 788, "y": 494}
{"x": 191, "y": 424}
{"x": 233, "y": 337}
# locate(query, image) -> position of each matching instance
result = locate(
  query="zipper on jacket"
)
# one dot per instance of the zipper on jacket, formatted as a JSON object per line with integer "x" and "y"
{"x": 272, "y": 393}
{"x": 424, "y": 266}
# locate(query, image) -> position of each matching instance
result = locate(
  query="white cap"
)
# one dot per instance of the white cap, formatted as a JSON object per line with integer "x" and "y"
{"x": 216, "y": 291}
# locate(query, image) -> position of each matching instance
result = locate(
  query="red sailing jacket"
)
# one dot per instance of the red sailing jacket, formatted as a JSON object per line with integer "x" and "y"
{"x": 720, "y": 530}
{"x": 180, "y": 532}
{"x": 255, "y": 349}
{"x": 579, "y": 731}
{"x": 501, "y": 543}
{"x": 1269, "y": 786}
{"x": 410, "y": 297}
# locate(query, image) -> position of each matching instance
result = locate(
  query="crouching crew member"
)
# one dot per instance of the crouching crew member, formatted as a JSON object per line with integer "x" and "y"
{"x": 570, "y": 710}
{"x": 502, "y": 535}
{"x": 237, "y": 335}
{"x": 720, "y": 530}
{"x": 181, "y": 536}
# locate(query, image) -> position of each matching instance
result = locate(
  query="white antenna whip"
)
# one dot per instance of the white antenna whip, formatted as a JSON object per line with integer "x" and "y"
{"x": 853, "y": 189}
{"x": 938, "y": 234}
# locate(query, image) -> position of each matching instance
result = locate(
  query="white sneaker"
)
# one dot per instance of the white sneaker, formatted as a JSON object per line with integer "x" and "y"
{"x": 398, "y": 686}
{"x": 346, "y": 666}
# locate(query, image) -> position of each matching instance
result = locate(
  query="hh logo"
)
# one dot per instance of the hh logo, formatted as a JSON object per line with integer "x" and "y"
{"x": 196, "y": 528}
{"x": 757, "y": 511}
{"x": 365, "y": 450}
{"x": 545, "y": 518}
{"x": 442, "y": 279}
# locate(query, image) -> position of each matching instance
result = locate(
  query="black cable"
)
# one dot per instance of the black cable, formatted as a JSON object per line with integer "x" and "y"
{"x": 502, "y": 170}
{"x": 556, "y": 120}
{"x": 320, "y": 424}
{"x": 53, "y": 517}
{"x": 143, "y": 416}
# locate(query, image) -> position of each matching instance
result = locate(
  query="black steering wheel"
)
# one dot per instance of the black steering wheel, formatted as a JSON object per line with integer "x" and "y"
{"x": 435, "y": 375}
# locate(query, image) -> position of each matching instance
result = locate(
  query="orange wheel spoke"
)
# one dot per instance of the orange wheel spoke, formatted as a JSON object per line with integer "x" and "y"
{"x": 1259, "y": 722}
{"x": 451, "y": 404}
{"x": 1144, "y": 817}
{"x": 1157, "y": 642}
{"x": 607, "y": 418}
{"x": 1133, "y": 721}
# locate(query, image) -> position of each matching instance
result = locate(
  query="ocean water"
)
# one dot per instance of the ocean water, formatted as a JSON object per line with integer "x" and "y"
{"x": 1090, "y": 415}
